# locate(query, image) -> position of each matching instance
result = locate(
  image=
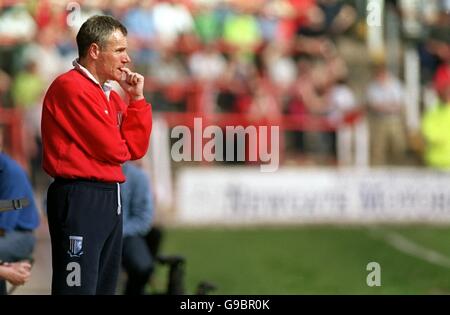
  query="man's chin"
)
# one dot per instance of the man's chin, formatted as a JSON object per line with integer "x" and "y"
{"x": 117, "y": 77}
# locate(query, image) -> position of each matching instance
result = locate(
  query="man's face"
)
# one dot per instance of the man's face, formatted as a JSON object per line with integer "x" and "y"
{"x": 113, "y": 57}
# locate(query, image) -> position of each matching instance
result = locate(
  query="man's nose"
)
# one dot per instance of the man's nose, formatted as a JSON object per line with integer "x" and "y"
{"x": 126, "y": 58}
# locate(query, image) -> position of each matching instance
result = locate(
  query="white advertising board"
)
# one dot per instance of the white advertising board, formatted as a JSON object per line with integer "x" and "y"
{"x": 302, "y": 195}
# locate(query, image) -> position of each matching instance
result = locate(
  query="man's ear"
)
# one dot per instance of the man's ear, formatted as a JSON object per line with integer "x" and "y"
{"x": 94, "y": 51}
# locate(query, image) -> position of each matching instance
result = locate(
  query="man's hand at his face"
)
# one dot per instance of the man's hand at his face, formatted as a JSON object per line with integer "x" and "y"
{"x": 133, "y": 84}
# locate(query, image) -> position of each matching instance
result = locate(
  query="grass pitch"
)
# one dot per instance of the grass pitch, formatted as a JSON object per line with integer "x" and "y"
{"x": 312, "y": 259}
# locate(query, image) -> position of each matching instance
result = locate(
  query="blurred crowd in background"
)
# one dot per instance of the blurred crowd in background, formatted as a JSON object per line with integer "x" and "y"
{"x": 264, "y": 59}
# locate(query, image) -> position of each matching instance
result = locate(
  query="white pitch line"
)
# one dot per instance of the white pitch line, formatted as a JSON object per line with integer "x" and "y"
{"x": 407, "y": 246}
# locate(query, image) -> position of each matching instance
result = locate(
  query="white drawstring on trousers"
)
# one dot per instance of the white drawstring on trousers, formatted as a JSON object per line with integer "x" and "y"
{"x": 119, "y": 203}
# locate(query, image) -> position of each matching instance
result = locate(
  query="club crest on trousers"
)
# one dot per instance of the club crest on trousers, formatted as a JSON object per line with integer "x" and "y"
{"x": 75, "y": 246}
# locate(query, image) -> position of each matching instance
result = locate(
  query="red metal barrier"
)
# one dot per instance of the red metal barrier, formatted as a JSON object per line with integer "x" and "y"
{"x": 285, "y": 122}
{"x": 196, "y": 107}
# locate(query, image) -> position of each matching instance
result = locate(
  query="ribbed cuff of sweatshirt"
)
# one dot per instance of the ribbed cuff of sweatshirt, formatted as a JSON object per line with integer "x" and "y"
{"x": 138, "y": 104}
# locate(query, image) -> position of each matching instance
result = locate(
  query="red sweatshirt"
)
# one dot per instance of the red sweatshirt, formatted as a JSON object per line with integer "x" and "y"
{"x": 81, "y": 132}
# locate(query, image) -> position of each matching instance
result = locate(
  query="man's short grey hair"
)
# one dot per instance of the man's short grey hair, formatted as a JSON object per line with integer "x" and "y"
{"x": 97, "y": 29}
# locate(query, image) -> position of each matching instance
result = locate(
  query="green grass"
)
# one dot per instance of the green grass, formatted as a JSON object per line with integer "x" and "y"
{"x": 307, "y": 259}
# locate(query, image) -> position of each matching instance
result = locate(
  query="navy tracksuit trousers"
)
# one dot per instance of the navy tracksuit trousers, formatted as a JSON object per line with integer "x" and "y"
{"x": 85, "y": 224}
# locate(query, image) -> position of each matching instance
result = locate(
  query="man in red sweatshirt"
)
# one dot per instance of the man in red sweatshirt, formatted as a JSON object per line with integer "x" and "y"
{"x": 88, "y": 132}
